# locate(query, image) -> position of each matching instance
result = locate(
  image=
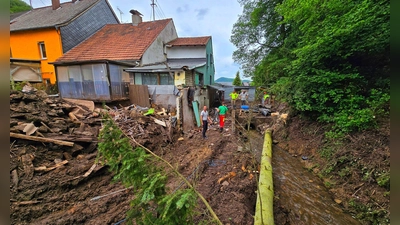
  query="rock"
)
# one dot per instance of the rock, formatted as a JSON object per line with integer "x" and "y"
{"x": 338, "y": 201}
{"x": 225, "y": 183}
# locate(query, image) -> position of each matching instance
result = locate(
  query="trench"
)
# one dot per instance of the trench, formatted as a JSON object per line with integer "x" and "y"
{"x": 300, "y": 197}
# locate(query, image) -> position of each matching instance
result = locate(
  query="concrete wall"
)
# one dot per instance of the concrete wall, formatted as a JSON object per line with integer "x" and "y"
{"x": 155, "y": 53}
{"x": 163, "y": 95}
{"x": 180, "y": 78}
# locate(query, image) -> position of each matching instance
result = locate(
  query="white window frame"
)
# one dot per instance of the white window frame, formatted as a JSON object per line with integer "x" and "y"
{"x": 42, "y": 49}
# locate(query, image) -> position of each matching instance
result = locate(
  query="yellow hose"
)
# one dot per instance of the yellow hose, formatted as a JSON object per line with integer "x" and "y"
{"x": 265, "y": 194}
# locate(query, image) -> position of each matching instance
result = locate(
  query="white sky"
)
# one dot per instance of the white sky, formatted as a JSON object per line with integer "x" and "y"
{"x": 191, "y": 18}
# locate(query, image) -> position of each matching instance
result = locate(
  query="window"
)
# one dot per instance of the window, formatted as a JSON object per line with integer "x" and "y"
{"x": 42, "y": 49}
{"x": 166, "y": 79}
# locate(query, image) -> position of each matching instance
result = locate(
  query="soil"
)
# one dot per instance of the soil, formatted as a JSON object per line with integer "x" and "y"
{"x": 81, "y": 193}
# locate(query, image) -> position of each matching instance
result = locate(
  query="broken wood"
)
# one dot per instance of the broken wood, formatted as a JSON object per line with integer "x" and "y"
{"x": 29, "y": 128}
{"x": 90, "y": 170}
{"x": 73, "y": 138}
{"x": 26, "y": 202}
{"x": 46, "y": 169}
{"x": 41, "y": 139}
{"x": 162, "y": 123}
{"x": 85, "y": 103}
{"x": 48, "y": 128}
{"x": 226, "y": 177}
{"x": 72, "y": 117}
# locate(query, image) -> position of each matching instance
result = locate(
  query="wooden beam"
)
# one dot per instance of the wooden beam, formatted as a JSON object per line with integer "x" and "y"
{"x": 41, "y": 139}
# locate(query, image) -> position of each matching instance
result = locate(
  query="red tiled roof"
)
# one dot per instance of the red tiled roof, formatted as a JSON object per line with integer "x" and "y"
{"x": 190, "y": 41}
{"x": 117, "y": 42}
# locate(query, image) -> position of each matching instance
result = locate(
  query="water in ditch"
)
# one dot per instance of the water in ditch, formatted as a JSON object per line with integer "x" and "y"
{"x": 300, "y": 195}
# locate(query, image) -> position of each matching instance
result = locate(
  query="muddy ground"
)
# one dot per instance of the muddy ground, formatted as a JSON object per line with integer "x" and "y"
{"x": 45, "y": 191}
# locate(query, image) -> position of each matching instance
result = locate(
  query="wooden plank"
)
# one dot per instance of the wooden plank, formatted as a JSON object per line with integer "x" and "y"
{"x": 86, "y": 103}
{"x": 195, "y": 105}
{"x": 41, "y": 139}
{"x": 139, "y": 95}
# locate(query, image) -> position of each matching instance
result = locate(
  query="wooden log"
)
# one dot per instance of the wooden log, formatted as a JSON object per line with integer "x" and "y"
{"x": 41, "y": 139}
{"x": 265, "y": 195}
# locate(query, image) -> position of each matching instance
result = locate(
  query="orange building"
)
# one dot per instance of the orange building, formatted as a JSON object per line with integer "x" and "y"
{"x": 45, "y": 34}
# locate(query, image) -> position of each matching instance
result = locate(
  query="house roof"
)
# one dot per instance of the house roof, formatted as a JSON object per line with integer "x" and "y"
{"x": 116, "y": 42}
{"x": 15, "y": 15}
{"x": 173, "y": 65}
{"x": 190, "y": 41}
{"x": 46, "y": 17}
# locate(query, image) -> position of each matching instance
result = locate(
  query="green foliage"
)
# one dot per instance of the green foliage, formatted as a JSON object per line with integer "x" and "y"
{"x": 329, "y": 61}
{"x": 18, "y": 6}
{"x": 135, "y": 168}
{"x": 237, "y": 81}
{"x": 368, "y": 214}
{"x": 384, "y": 180}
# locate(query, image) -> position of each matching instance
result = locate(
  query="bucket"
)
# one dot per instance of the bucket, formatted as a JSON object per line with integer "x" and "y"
{"x": 245, "y": 107}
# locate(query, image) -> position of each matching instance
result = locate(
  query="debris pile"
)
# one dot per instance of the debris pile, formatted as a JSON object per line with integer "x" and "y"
{"x": 53, "y": 153}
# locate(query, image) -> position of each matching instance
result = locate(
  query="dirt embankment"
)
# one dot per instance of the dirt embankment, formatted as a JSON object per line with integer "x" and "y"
{"x": 355, "y": 170}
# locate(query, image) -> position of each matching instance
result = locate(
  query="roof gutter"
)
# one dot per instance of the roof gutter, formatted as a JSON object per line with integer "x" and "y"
{"x": 68, "y": 63}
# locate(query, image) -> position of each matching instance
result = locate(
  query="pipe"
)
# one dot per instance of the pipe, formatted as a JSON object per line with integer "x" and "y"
{"x": 265, "y": 194}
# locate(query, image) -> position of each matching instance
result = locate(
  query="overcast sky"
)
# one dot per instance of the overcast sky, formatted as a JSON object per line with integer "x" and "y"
{"x": 191, "y": 18}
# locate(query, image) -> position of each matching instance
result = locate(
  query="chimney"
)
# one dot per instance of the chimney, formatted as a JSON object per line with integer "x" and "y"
{"x": 136, "y": 17}
{"x": 55, "y": 4}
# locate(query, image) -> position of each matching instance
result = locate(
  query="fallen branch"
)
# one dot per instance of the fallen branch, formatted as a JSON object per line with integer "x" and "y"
{"x": 46, "y": 169}
{"x": 48, "y": 128}
{"x": 41, "y": 139}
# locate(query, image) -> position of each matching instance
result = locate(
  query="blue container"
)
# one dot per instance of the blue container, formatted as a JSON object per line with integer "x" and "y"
{"x": 245, "y": 107}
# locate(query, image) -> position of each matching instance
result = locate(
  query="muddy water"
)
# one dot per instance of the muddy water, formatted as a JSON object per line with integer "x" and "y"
{"x": 301, "y": 194}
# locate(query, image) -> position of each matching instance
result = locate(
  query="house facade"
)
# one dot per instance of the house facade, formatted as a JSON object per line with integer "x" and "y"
{"x": 95, "y": 69}
{"x": 44, "y": 34}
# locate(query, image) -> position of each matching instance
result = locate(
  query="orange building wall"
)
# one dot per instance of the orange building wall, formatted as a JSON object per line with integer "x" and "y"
{"x": 24, "y": 45}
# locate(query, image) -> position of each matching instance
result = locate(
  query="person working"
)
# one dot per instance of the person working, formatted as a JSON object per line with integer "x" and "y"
{"x": 234, "y": 96}
{"x": 204, "y": 121}
{"x": 222, "y": 109}
{"x": 243, "y": 97}
{"x": 265, "y": 98}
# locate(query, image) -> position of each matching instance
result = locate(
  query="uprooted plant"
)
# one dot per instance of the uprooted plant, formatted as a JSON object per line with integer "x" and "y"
{"x": 137, "y": 168}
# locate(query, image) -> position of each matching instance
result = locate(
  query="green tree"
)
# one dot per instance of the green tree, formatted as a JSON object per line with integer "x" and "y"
{"x": 257, "y": 32}
{"x": 328, "y": 60}
{"x": 18, "y": 6}
{"x": 237, "y": 81}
